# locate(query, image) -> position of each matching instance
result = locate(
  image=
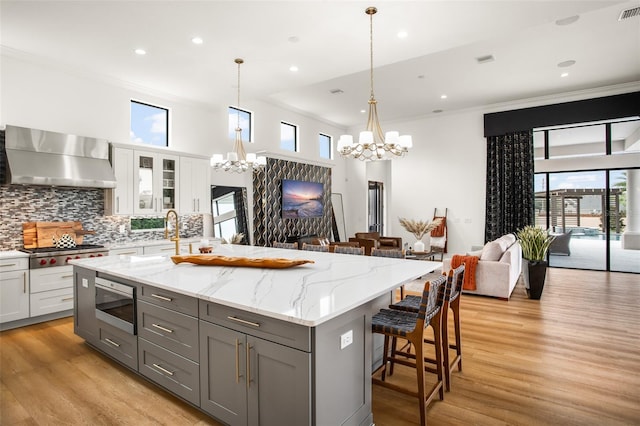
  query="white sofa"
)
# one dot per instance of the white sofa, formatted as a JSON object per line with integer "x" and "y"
{"x": 498, "y": 269}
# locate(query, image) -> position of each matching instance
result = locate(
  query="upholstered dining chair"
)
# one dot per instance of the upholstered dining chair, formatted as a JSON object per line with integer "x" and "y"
{"x": 315, "y": 247}
{"x": 394, "y": 324}
{"x": 348, "y": 250}
{"x": 451, "y": 301}
{"x": 291, "y": 246}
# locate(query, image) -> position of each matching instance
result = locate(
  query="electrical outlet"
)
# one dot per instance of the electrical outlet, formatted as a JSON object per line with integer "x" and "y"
{"x": 346, "y": 339}
{"x": 122, "y": 229}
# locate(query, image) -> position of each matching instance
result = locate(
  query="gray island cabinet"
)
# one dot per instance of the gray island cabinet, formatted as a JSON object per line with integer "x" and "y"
{"x": 250, "y": 346}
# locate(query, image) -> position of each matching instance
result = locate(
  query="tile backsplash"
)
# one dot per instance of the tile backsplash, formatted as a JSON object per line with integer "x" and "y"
{"x": 20, "y": 204}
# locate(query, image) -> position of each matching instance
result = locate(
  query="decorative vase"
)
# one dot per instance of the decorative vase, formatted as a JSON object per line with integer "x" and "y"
{"x": 418, "y": 246}
{"x": 534, "y": 274}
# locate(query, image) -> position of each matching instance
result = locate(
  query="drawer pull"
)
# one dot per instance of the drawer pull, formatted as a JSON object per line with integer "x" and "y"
{"x": 166, "y": 299}
{"x": 106, "y": 339}
{"x": 24, "y": 282}
{"x": 167, "y": 249}
{"x": 248, "y": 365}
{"x": 67, "y": 276}
{"x": 254, "y": 324}
{"x": 7, "y": 264}
{"x": 164, "y": 370}
{"x": 67, "y": 299}
{"x": 128, "y": 253}
{"x": 159, "y": 327}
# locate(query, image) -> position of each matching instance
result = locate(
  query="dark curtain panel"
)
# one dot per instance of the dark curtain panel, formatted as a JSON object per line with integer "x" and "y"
{"x": 509, "y": 183}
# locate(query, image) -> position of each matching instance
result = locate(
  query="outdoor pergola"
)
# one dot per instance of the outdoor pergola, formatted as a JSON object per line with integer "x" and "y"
{"x": 558, "y": 212}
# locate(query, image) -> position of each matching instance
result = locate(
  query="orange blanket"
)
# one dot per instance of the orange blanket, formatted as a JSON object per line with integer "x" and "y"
{"x": 438, "y": 231}
{"x": 470, "y": 263}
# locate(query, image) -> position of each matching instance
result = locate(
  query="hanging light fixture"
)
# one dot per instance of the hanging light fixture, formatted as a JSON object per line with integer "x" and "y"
{"x": 238, "y": 160}
{"x": 371, "y": 143}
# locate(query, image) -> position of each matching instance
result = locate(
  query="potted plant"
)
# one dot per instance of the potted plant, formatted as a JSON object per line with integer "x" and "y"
{"x": 535, "y": 244}
{"x": 419, "y": 228}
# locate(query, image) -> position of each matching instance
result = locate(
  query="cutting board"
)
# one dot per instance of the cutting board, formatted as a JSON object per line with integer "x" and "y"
{"x": 40, "y": 234}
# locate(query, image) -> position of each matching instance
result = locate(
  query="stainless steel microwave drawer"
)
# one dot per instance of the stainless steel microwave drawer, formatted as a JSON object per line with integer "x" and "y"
{"x": 169, "y": 299}
{"x": 171, "y": 371}
{"x": 169, "y": 329}
{"x": 285, "y": 333}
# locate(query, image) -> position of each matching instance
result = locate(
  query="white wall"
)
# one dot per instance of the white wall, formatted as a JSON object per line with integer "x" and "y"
{"x": 46, "y": 96}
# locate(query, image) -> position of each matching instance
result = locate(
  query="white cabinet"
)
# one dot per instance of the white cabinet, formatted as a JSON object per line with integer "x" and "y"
{"x": 119, "y": 201}
{"x": 169, "y": 248}
{"x": 51, "y": 290}
{"x": 194, "y": 185}
{"x": 156, "y": 179}
{"x": 14, "y": 289}
{"x": 126, "y": 251}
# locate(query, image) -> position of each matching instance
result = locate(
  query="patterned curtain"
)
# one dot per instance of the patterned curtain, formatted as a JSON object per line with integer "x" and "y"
{"x": 510, "y": 198}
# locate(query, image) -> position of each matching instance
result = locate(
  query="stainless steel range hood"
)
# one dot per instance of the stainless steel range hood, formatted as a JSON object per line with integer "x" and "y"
{"x": 39, "y": 157}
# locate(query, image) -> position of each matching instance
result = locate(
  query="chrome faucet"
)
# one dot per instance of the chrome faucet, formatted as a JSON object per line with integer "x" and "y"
{"x": 166, "y": 229}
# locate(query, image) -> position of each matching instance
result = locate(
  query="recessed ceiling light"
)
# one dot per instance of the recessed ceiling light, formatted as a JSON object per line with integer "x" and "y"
{"x": 293, "y": 68}
{"x": 140, "y": 52}
{"x": 567, "y": 21}
{"x": 443, "y": 96}
{"x": 564, "y": 74}
{"x": 403, "y": 34}
{"x": 566, "y": 64}
{"x": 362, "y": 111}
{"x": 197, "y": 40}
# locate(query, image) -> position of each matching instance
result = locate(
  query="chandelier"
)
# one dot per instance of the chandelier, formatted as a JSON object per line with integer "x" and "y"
{"x": 371, "y": 143}
{"x": 238, "y": 160}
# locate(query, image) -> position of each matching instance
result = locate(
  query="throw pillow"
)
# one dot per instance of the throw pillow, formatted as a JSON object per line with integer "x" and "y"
{"x": 476, "y": 253}
{"x": 491, "y": 251}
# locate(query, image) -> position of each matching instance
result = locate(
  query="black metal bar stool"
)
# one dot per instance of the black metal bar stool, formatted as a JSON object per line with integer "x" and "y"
{"x": 451, "y": 301}
{"x": 410, "y": 326}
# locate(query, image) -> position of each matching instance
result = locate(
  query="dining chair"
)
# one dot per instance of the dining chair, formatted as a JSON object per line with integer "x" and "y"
{"x": 292, "y": 246}
{"x": 315, "y": 247}
{"x": 349, "y": 250}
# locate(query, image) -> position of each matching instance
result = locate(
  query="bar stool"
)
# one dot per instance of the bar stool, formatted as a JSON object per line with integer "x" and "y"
{"x": 393, "y": 323}
{"x": 451, "y": 301}
{"x": 315, "y": 247}
{"x": 290, "y": 246}
{"x": 393, "y": 253}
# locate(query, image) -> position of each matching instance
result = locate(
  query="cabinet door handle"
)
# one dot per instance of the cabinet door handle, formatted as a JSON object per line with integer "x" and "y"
{"x": 67, "y": 276}
{"x": 237, "y": 361}
{"x": 194, "y": 205}
{"x": 67, "y": 299}
{"x": 7, "y": 264}
{"x": 198, "y": 200}
{"x": 159, "y": 327}
{"x": 128, "y": 253}
{"x": 112, "y": 342}
{"x": 24, "y": 282}
{"x": 118, "y": 204}
{"x": 157, "y": 296}
{"x": 164, "y": 370}
{"x": 248, "y": 365}
{"x": 240, "y": 320}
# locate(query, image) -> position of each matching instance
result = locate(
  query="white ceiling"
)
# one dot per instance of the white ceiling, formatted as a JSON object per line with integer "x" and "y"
{"x": 332, "y": 52}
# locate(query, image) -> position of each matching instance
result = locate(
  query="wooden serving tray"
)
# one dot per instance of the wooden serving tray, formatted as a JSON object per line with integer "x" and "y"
{"x": 216, "y": 260}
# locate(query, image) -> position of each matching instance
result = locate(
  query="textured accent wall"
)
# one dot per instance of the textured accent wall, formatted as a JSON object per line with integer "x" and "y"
{"x": 20, "y": 204}
{"x": 268, "y": 224}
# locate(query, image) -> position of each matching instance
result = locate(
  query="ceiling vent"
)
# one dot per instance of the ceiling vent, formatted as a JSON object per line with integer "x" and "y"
{"x": 485, "y": 59}
{"x": 629, "y": 13}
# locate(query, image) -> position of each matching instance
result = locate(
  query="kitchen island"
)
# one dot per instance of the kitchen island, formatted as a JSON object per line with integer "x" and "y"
{"x": 249, "y": 345}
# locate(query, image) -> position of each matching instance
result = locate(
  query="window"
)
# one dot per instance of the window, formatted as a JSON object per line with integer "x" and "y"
{"x": 243, "y": 118}
{"x": 325, "y": 143}
{"x": 288, "y": 136}
{"x": 149, "y": 124}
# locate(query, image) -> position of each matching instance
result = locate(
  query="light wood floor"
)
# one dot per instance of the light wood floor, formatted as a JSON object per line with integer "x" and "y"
{"x": 572, "y": 358}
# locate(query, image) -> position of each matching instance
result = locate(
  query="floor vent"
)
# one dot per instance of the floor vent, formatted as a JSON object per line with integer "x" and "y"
{"x": 629, "y": 13}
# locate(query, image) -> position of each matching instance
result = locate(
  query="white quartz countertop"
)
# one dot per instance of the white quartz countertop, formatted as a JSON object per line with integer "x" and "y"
{"x": 308, "y": 294}
{"x": 10, "y": 254}
{"x": 162, "y": 242}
